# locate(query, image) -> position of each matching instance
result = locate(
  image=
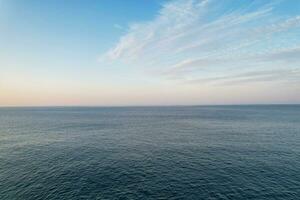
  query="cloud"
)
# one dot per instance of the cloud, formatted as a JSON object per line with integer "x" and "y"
{"x": 202, "y": 39}
{"x": 284, "y": 75}
{"x": 286, "y": 55}
{"x": 118, "y": 26}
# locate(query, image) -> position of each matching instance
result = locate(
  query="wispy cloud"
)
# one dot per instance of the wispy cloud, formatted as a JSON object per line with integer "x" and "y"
{"x": 284, "y": 75}
{"x": 118, "y": 26}
{"x": 197, "y": 40}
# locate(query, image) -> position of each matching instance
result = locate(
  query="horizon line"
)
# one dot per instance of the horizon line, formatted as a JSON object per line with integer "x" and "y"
{"x": 161, "y": 105}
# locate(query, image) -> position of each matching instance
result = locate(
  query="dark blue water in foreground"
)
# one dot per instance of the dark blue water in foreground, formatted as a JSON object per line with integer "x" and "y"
{"x": 216, "y": 152}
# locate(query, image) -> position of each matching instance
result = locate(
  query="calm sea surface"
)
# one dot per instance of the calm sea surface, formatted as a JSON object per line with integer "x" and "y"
{"x": 205, "y": 152}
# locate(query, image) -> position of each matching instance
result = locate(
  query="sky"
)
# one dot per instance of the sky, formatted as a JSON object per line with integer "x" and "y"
{"x": 149, "y": 52}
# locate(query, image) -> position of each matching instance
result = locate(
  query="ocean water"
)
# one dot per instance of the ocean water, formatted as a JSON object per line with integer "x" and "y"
{"x": 199, "y": 152}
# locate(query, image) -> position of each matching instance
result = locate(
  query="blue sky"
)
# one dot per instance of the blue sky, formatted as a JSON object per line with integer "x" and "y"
{"x": 149, "y": 52}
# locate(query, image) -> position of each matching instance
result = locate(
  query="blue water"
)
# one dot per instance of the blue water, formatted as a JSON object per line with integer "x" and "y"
{"x": 204, "y": 152}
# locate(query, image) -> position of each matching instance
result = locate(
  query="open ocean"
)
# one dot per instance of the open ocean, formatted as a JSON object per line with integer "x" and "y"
{"x": 197, "y": 152}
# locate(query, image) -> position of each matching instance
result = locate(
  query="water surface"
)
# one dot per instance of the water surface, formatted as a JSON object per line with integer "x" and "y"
{"x": 199, "y": 152}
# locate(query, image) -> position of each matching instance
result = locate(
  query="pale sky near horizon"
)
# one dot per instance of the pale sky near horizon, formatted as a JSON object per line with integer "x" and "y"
{"x": 149, "y": 52}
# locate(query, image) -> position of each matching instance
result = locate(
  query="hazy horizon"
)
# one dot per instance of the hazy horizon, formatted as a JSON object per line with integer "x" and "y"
{"x": 147, "y": 105}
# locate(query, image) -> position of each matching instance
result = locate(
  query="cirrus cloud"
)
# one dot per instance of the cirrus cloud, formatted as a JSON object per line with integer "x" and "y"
{"x": 194, "y": 40}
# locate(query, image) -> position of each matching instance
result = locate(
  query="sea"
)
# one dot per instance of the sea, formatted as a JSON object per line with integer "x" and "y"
{"x": 180, "y": 152}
